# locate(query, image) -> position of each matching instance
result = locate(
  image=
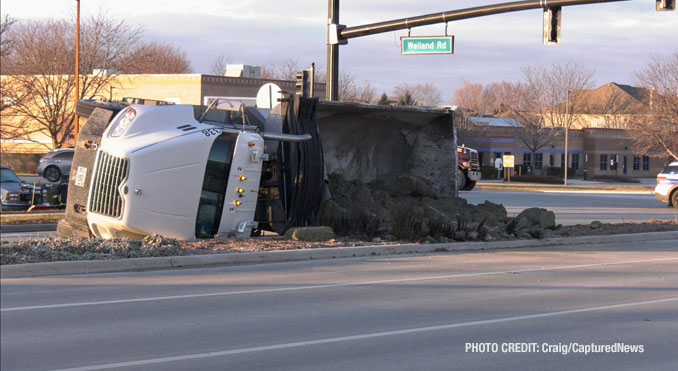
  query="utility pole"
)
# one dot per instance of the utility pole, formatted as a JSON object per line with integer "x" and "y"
{"x": 77, "y": 70}
{"x": 567, "y": 127}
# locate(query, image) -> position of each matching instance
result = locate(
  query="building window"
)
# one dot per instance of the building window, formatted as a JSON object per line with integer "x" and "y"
{"x": 562, "y": 160}
{"x": 636, "y": 163}
{"x": 551, "y": 156}
{"x": 575, "y": 161}
{"x": 646, "y": 163}
{"x": 613, "y": 162}
{"x": 538, "y": 161}
{"x": 527, "y": 159}
{"x": 603, "y": 162}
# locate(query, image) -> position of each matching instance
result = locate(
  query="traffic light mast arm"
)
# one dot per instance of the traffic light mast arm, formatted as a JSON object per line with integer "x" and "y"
{"x": 455, "y": 15}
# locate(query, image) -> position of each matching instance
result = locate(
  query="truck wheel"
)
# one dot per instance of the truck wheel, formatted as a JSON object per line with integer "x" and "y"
{"x": 461, "y": 180}
{"x": 674, "y": 199}
{"x": 470, "y": 184}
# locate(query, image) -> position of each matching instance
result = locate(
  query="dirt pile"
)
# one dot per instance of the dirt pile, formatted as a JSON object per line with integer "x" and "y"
{"x": 407, "y": 208}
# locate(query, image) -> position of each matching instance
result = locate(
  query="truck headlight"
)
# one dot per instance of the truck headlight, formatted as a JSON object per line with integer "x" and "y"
{"x": 123, "y": 123}
{"x": 12, "y": 196}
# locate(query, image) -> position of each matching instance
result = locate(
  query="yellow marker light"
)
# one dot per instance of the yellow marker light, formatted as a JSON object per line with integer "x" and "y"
{"x": 238, "y": 203}
{"x": 243, "y": 178}
{"x": 460, "y": 150}
{"x": 251, "y": 144}
{"x": 241, "y": 191}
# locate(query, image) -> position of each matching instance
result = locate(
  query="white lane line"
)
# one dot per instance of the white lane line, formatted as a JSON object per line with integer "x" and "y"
{"x": 364, "y": 336}
{"x": 312, "y": 287}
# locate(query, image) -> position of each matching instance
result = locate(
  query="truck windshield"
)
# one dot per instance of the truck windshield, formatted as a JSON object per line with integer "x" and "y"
{"x": 214, "y": 186}
{"x": 8, "y": 176}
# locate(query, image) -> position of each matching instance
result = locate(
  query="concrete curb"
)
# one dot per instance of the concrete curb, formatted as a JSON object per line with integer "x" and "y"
{"x": 194, "y": 261}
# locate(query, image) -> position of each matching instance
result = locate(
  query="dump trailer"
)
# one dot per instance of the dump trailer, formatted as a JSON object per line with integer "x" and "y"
{"x": 192, "y": 172}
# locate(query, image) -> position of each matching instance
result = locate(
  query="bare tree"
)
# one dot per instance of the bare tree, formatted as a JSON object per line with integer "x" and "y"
{"x": 158, "y": 58}
{"x": 495, "y": 98}
{"x": 367, "y": 95}
{"x": 549, "y": 87}
{"x": 542, "y": 104}
{"x": 282, "y": 69}
{"x": 535, "y": 133}
{"x": 218, "y": 67}
{"x": 423, "y": 94}
{"x": 38, "y": 72}
{"x": 470, "y": 97}
{"x": 656, "y": 134}
{"x": 5, "y": 42}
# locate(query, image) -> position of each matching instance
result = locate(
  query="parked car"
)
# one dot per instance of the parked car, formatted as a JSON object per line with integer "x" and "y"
{"x": 15, "y": 194}
{"x": 667, "y": 185}
{"x": 56, "y": 164}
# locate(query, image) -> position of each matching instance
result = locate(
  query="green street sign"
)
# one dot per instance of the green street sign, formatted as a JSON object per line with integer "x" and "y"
{"x": 426, "y": 45}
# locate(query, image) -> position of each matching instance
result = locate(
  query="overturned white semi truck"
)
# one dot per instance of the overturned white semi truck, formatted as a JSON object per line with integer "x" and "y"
{"x": 227, "y": 170}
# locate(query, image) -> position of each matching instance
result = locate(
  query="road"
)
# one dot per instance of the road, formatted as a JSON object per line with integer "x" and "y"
{"x": 580, "y": 208}
{"x": 416, "y": 312}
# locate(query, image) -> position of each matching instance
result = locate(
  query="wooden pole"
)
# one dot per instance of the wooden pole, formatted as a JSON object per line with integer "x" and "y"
{"x": 77, "y": 70}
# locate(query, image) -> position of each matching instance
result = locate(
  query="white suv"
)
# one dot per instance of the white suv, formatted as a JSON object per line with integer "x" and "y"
{"x": 667, "y": 185}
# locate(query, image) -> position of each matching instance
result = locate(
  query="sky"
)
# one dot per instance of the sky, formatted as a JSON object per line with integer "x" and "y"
{"x": 614, "y": 39}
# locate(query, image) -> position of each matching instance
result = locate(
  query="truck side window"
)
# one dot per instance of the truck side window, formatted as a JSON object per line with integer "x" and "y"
{"x": 214, "y": 186}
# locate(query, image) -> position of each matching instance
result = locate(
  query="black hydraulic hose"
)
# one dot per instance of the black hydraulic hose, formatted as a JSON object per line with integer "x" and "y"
{"x": 304, "y": 164}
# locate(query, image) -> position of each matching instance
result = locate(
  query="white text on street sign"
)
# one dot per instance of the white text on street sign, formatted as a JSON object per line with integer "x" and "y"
{"x": 426, "y": 45}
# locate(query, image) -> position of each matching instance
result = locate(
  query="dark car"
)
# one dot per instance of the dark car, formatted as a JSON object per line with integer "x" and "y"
{"x": 56, "y": 164}
{"x": 16, "y": 194}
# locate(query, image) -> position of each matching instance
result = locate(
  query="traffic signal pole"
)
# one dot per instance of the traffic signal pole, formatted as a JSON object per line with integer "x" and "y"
{"x": 332, "y": 83}
{"x": 338, "y": 34}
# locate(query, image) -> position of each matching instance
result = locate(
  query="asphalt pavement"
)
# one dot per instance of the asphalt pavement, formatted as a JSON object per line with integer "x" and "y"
{"x": 580, "y": 208}
{"x": 617, "y": 302}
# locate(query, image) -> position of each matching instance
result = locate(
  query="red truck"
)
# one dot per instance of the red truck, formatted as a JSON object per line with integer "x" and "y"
{"x": 468, "y": 172}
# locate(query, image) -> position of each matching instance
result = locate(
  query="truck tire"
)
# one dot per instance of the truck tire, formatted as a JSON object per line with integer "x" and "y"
{"x": 461, "y": 180}
{"x": 470, "y": 184}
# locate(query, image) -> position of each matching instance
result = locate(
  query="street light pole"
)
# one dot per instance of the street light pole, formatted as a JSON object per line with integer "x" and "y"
{"x": 77, "y": 70}
{"x": 567, "y": 126}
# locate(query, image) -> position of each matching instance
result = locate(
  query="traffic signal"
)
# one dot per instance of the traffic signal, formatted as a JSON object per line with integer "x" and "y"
{"x": 666, "y": 5}
{"x": 552, "y": 21}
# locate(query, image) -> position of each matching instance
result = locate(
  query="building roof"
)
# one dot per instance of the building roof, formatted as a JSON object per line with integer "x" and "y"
{"x": 612, "y": 98}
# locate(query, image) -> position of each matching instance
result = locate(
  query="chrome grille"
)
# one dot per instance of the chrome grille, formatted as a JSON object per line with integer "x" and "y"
{"x": 474, "y": 160}
{"x": 105, "y": 197}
